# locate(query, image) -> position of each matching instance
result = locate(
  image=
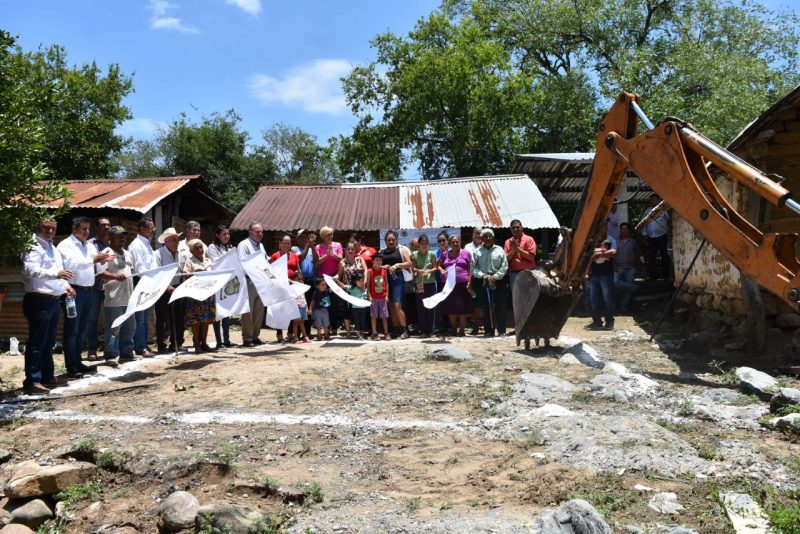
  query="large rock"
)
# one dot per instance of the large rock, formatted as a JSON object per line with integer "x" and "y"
{"x": 29, "y": 479}
{"x": 178, "y": 512}
{"x": 787, "y": 320}
{"x": 30, "y": 513}
{"x": 665, "y": 503}
{"x": 227, "y": 518}
{"x": 784, "y": 397}
{"x": 745, "y": 514}
{"x": 757, "y": 382}
{"x": 788, "y": 423}
{"x": 5, "y": 455}
{"x": 538, "y": 388}
{"x": 16, "y": 528}
{"x": 449, "y": 353}
{"x": 572, "y": 517}
{"x": 620, "y": 384}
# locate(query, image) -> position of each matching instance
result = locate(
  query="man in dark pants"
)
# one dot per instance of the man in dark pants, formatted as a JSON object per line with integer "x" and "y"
{"x": 489, "y": 270}
{"x": 80, "y": 257}
{"x": 100, "y": 242}
{"x": 45, "y": 282}
{"x": 656, "y": 232}
{"x": 169, "y": 317}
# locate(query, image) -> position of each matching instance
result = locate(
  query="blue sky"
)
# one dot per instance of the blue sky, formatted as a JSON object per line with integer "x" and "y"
{"x": 272, "y": 61}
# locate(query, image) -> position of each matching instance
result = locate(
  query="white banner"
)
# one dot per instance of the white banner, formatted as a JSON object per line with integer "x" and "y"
{"x": 449, "y": 284}
{"x": 280, "y": 315}
{"x": 151, "y": 286}
{"x": 344, "y": 295}
{"x": 271, "y": 287}
{"x": 232, "y": 298}
{"x": 202, "y": 285}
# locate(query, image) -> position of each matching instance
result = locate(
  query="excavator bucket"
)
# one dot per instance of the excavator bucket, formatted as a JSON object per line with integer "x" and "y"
{"x": 540, "y": 309}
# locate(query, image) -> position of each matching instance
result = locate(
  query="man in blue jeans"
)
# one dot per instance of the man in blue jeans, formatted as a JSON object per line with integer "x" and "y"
{"x": 601, "y": 286}
{"x": 626, "y": 261}
{"x": 100, "y": 242}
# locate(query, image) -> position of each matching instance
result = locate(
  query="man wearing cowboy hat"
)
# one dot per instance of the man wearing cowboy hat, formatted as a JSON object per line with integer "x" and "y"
{"x": 169, "y": 316}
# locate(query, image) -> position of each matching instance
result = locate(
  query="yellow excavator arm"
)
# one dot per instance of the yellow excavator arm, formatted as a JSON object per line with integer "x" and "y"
{"x": 672, "y": 159}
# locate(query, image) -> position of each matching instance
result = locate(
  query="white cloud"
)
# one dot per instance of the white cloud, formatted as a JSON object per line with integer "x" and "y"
{"x": 250, "y": 6}
{"x": 141, "y": 128}
{"x": 314, "y": 87}
{"x": 160, "y": 20}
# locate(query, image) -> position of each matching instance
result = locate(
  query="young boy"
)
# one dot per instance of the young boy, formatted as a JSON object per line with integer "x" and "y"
{"x": 320, "y": 303}
{"x": 358, "y": 289}
{"x": 378, "y": 291}
{"x": 299, "y": 333}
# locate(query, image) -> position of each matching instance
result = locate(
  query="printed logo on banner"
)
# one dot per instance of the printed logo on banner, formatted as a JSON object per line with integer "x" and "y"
{"x": 231, "y": 288}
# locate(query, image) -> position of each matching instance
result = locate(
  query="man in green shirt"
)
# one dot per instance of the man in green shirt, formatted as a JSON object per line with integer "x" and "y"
{"x": 489, "y": 269}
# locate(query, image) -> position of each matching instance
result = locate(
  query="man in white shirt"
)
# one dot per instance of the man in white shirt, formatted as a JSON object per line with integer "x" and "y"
{"x": 45, "y": 280}
{"x": 144, "y": 259}
{"x": 656, "y": 232}
{"x": 251, "y": 322}
{"x": 80, "y": 257}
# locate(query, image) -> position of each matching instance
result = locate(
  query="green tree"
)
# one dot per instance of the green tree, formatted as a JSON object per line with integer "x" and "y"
{"x": 216, "y": 146}
{"x": 715, "y": 63}
{"x": 79, "y": 106}
{"x": 298, "y": 157}
{"x": 22, "y": 169}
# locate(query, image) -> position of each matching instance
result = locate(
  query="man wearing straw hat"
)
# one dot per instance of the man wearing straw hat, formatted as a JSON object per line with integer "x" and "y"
{"x": 169, "y": 316}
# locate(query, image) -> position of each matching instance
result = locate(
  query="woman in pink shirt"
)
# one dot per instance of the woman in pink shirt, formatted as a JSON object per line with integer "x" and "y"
{"x": 329, "y": 254}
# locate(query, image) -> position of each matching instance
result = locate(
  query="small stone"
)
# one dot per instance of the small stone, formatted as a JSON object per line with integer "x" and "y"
{"x": 745, "y": 514}
{"x": 16, "y": 528}
{"x": 449, "y": 353}
{"x": 571, "y": 517}
{"x": 29, "y": 479}
{"x": 5, "y": 455}
{"x": 757, "y": 382}
{"x": 784, "y": 397}
{"x": 665, "y": 503}
{"x": 642, "y": 488}
{"x": 587, "y": 355}
{"x": 178, "y": 511}
{"x": 30, "y": 513}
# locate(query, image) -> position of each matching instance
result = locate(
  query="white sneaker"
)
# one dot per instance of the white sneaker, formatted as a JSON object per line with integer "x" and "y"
{"x": 112, "y": 362}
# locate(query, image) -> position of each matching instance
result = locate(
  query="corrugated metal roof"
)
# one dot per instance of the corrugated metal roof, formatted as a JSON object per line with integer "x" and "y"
{"x": 340, "y": 207}
{"x": 138, "y": 194}
{"x": 492, "y": 201}
{"x": 488, "y": 201}
{"x": 562, "y": 177}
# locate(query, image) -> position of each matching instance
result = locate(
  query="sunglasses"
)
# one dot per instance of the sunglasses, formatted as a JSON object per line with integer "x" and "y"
{"x": 443, "y": 241}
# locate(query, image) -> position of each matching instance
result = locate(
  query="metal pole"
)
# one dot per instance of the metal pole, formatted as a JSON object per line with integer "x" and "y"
{"x": 677, "y": 291}
{"x": 641, "y": 115}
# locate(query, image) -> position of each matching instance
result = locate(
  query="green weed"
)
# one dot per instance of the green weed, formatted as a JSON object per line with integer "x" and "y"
{"x": 686, "y": 408}
{"x": 412, "y": 504}
{"x": 91, "y": 491}
{"x": 227, "y": 455}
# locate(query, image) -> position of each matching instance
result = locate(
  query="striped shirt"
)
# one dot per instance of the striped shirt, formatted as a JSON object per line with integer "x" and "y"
{"x": 626, "y": 254}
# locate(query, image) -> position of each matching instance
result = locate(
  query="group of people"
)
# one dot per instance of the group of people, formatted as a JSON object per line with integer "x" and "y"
{"x": 616, "y": 261}
{"x": 85, "y": 276}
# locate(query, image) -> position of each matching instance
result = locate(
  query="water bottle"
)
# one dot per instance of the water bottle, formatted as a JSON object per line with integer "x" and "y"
{"x": 72, "y": 310}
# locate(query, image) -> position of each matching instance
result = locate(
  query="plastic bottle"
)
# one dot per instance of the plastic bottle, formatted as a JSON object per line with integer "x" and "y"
{"x": 72, "y": 310}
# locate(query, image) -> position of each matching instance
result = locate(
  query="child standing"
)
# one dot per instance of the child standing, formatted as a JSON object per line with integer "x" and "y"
{"x": 299, "y": 333}
{"x": 320, "y": 304}
{"x": 358, "y": 289}
{"x": 378, "y": 291}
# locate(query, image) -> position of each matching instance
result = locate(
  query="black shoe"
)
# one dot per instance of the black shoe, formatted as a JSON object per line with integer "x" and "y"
{"x": 127, "y": 358}
{"x": 248, "y": 344}
{"x": 74, "y": 375}
{"x": 228, "y": 344}
{"x": 87, "y": 369}
{"x": 257, "y": 342}
{"x": 609, "y": 325}
{"x": 594, "y": 326}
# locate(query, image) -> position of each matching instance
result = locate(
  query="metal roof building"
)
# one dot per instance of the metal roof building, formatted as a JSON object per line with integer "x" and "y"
{"x": 562, "y": 177}
{"x": 491, "y": 201}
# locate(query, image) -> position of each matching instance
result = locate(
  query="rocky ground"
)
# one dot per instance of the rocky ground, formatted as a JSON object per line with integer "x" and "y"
{"x": 462, "y": 435}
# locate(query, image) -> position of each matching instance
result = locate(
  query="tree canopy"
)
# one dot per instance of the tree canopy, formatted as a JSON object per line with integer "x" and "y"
{"x": 478, "y": 81}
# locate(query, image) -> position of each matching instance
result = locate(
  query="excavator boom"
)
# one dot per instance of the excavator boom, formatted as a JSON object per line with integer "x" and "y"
{"x": 672, "y": 159}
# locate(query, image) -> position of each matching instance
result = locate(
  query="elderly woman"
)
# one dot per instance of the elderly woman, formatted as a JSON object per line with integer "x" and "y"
{"x": 199, "y": 314}
{"x": 424, "y": 265}
{"x": 395, "y": 259}
{"x": 458, "y": 304}
{"x": 328, "y": 255}
{"x": 220, "y": 247}
{"x": 292, "y": 264}
{"x": 350, "y": 266}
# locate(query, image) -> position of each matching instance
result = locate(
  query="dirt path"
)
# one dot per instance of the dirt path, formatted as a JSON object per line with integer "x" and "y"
{"x": 397, "y": 442}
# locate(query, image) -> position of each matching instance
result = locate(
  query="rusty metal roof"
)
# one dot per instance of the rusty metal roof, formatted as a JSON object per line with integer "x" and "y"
{"x": 562, "y": 177}
{"x": 489, "y": 201}
{"x": 137, "y": 194}
{"x": 314, "y": 206}
{"x": 481, "y": 201}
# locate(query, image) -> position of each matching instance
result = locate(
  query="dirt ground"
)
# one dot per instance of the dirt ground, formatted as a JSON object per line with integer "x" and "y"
{"x": 367, "y": 429}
